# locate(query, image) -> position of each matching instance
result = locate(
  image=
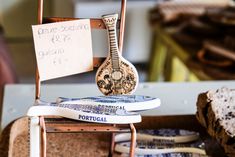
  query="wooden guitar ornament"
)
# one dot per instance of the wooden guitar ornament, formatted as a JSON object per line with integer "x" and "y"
{"x": 116, "y": 75}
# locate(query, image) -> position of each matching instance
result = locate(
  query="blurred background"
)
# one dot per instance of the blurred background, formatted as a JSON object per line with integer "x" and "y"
{"x": 174, "y": 40}
{"x": 167, "y": 41}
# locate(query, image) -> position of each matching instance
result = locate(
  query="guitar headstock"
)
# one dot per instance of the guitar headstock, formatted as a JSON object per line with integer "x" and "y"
{"x": 110, "y": 20}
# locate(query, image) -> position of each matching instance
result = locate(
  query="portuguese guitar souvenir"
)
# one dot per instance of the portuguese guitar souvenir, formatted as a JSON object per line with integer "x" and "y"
{"x": 116, "y": 75}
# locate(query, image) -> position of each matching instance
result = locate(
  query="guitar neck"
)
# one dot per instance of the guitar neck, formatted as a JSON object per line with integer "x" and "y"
{"x": 110, "y": 22}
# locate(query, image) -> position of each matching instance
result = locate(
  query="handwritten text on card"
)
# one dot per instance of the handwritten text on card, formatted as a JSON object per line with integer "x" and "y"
{"x": 63, "y": 48}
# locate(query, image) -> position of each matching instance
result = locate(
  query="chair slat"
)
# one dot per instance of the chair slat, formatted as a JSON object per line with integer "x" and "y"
{"x": 83, "y": 127}
{"x": 95, "y": 23}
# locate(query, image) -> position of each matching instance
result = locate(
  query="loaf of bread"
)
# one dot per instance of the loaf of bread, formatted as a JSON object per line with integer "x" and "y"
{"x": 216, "y": 112}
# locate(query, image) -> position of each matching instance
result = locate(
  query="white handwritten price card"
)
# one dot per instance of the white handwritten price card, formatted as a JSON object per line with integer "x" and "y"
{"x": 63, "y": 48}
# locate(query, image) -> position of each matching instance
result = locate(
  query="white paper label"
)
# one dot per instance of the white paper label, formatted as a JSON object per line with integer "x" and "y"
{"x": 63, "y": 48}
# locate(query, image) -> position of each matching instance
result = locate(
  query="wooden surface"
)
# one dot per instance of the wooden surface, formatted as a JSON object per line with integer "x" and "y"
{"x": 85, "y": 144}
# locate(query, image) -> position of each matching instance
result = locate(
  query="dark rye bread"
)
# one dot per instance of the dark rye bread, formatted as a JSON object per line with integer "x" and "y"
{"x": 216, "y": 112}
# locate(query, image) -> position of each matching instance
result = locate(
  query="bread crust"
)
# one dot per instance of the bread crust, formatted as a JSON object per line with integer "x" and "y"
{"x": 207, "y": 118}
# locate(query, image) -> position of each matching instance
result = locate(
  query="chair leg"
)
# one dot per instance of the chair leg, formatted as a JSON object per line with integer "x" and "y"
{"x": 111, "y": 149}
{"x": 133, "y": 140}
{"x": 34, "y": 137}
{"x": 43, "y": 136}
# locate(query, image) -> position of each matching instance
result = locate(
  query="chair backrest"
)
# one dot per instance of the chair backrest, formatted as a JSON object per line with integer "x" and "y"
{"x": 95, "y": 24}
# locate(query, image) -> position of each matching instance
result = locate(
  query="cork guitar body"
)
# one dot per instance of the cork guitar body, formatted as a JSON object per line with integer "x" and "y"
{"x": 121, "y": 81}
{"x": 116, "y": 75}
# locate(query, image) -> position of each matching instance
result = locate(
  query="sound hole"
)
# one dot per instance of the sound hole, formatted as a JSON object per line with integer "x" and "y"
{"x": 117, "y": 75}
